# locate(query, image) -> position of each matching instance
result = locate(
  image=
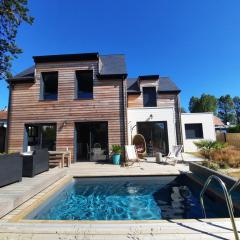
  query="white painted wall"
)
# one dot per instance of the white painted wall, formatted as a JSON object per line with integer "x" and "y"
{"x": 135, "y": 115}
{"x": 206, "y": 119}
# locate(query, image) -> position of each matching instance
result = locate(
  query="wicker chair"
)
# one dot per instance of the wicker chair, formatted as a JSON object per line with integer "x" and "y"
{"x": 140, "y": 144}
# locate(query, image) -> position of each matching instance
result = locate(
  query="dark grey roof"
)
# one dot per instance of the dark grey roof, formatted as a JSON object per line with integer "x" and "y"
{"x": 29, "y": 72}
{"x": 165, "y": 85}
{"x": 132, "y": 85}
{"x": 112, "y": 64}
{"x": 149, "y": 77}
{"x": 67, "y": 57}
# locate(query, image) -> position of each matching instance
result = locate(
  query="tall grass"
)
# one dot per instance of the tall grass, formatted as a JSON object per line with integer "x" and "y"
{"x": 221, "y": 154}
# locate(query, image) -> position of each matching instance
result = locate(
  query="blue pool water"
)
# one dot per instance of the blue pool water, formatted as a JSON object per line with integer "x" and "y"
{"x": 125, "y": 198}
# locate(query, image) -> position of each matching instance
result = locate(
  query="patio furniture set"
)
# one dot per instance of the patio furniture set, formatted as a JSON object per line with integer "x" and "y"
{"x": 28, "y": 164}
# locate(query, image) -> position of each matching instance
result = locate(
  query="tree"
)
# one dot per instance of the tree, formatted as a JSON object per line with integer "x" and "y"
{"x": 226, "y": 109}
{"x": 12, "y": 14}
{"x": 206, "y": 103}
{"x": 193, "y": 104}
{"x": 183, "y": 110}
{"x": 236, "y": 102}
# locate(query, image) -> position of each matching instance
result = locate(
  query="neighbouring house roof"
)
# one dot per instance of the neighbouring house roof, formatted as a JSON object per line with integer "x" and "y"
{"x": 165, "y": 85}
{"x": 217, "y": 121}
{"x": 3, "y": 115}
{"x": 29, "y": 72}
{"x": 110, "y": 66}
{"x": 26, "y": 75}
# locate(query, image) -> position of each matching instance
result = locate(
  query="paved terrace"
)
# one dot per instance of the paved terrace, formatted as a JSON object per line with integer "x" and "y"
{"x": 98, "y": 169}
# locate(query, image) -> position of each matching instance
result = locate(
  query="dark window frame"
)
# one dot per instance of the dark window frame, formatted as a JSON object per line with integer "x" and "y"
{"x": 38, "y": 140}
{"x": 194, "y": 130}
{"x": 87, "y": 91}
{"x": 43, "y": 95}
{"x": 149, "y": 102}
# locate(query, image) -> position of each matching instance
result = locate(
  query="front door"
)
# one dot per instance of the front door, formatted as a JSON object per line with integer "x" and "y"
{"x": 156, "y": 136}
{"x": 92, "y": 141}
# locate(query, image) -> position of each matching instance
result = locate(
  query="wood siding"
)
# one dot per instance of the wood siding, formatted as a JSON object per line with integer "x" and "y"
{"x": 163, "y": 100}
{"x": 26, "y": 106}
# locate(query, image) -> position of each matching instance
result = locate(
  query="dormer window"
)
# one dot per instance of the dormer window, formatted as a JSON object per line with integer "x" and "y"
{"x": 49, "y": 86}
{"x": 84, "y": 84}
{"x": 149, "y": 97}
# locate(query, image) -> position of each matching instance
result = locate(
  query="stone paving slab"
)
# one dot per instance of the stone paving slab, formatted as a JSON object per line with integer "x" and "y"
{"x": 93, "y": 169}
{"x": 178, "y": 229}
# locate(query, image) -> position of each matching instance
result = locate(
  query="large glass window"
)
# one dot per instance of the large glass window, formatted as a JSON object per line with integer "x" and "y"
{"x": 49, "y": 86}
{"x": 194, "y": 131}
{"x": 84, "y": 84}
{"x": 40, "y": 136}
{"x": 156, "y": 136}
{"x": 149, "y": 97}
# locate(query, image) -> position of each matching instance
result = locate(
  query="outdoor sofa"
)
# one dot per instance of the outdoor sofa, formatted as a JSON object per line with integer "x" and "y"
{"x": 35, "y": 162}
{"x": 10, "y": 168}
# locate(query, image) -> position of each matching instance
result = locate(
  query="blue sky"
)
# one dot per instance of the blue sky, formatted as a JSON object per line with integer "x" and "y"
{"x": 195, "y": 42}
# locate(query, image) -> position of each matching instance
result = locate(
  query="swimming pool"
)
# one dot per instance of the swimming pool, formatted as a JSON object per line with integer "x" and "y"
{"x": 127, "y": 198}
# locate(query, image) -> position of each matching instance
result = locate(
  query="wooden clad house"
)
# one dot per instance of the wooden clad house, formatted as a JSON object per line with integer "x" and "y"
{"x": 75, "y": 102}
{"x": 84, "y": 103}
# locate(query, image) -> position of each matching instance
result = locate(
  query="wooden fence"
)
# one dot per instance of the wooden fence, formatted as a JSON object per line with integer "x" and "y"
{"x": 230, "y": 138}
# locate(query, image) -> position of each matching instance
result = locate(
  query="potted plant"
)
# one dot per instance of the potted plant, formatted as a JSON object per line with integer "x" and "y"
{"x": 116, "y": 150}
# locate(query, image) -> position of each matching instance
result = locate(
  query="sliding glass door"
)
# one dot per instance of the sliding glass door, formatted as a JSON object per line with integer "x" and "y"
{"x": 156, "y": 136}
{"x": 92, "y": 141}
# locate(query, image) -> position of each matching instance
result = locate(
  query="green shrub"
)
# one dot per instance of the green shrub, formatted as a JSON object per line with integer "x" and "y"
{"x": 235, "y": 129}
{"x": 211, "y": 165}
{"x": 223, "y": 165}
{"x": 207, "y": 146}
{"x": 116, "y": 149}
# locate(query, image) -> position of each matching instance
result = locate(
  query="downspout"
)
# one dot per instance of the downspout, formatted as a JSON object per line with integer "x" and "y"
{"x": 123, "y": 116}
{"x": 10, "y": 87}
{"x": 180, "y": 138}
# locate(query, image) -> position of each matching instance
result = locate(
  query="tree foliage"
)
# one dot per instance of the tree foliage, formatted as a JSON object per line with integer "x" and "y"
{"x": 183, "y": 110}
{"x": 226, "y": 109}
{"x": 12, "y": 14}
{"x": 206, "y": 103}
{"x": 236, "y": 102}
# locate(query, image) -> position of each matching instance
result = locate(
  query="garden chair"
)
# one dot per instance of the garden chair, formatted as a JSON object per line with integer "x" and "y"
{"x": 174, "y": 155}
{"x": 131, "y": 155}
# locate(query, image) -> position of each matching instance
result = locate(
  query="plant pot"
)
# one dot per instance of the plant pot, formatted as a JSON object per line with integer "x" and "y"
{"x": 116, "y": 159}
